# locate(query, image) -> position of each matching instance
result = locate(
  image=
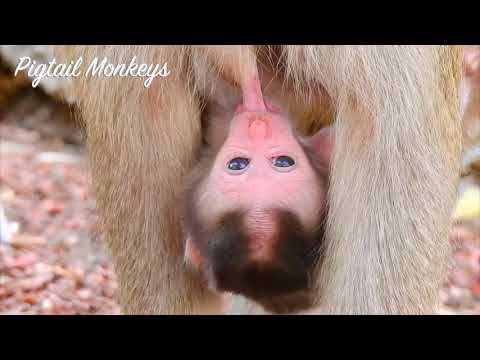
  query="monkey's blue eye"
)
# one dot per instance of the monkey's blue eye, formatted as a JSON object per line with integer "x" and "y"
{"x": 238, "y": 163}
{"x": 283, "y": 161}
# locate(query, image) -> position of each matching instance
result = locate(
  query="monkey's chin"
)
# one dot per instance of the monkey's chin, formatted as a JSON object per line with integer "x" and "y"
{"x": 287, "y": 304}
{"x": 276, "y": 291}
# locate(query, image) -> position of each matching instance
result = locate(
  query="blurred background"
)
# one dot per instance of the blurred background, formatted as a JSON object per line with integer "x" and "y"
{"x": 52, "y": 256}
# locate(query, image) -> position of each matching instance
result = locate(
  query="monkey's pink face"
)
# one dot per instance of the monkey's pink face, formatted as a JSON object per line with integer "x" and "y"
{"x": 256, "y": 220}
{"x": 262, "y": 166}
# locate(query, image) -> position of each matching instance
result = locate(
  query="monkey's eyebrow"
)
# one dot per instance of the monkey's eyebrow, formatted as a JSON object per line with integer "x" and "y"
{"x": 240, "y": 148}
{"x": 276, "y": 150}
{"x": 280, "y": 146}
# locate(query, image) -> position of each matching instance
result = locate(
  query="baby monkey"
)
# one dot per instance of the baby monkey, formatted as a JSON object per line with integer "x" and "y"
{"x": 256, "y": 203}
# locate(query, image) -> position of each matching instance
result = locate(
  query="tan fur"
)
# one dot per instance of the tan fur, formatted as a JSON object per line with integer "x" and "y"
{"x": 392, "y": 191}
{"x": 237, "y": 63}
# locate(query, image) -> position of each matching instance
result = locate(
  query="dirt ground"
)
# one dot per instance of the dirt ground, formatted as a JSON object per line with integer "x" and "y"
{"x": 56, "y": 262}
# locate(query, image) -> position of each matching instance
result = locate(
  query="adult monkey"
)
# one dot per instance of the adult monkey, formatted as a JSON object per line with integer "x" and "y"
{"x": 393, "y": 176}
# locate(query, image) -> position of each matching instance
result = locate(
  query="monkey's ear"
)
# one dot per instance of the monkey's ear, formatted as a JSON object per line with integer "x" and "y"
{"x": 192, "y": 254}
{"x": 471, "y": 60}
{"x": 322, "y": 145}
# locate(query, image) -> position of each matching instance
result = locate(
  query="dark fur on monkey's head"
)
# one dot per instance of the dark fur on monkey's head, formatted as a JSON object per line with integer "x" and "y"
{"x": 278, "y": 278}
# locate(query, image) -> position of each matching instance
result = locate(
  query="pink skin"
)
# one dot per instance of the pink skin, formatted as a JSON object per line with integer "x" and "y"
{"x": 252, "y": 96}
{"x": 322, "y": 143}
{"x": 471, "y": 75}
{"x": 261, "y": 137}
{"x": 192, "y": 255}
{"x": 471, "y": 60}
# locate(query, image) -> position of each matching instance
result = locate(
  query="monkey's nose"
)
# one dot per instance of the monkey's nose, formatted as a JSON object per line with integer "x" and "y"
{"x": 258, "y": 129}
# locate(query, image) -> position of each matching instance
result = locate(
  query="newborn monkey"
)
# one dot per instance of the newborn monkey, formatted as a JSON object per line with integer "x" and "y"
{"x": 256, "y": 202}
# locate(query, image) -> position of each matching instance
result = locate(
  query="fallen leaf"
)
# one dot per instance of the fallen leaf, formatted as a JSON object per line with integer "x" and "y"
{"x": 27, "y": 241}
